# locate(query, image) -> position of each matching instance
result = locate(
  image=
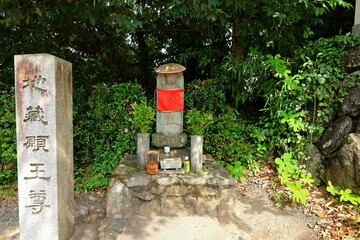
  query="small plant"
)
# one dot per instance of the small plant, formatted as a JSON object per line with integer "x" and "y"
{"x": 345, "y": 195}
{"x": 144, "y": 116}
{"x": 197, "y": 121}
{"x": 298, "y": 193}
{"x": 287, "y": 165}
{"x": 237, "y": 170}
{"x": 288, "y": 168}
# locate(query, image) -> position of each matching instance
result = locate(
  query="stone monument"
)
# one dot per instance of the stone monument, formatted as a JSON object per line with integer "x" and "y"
{"x": 169, "y": 107}
{"x": 44, "y": 147}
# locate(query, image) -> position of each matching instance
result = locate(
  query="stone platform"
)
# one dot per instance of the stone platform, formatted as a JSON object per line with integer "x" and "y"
{"x": 132, "y": 192}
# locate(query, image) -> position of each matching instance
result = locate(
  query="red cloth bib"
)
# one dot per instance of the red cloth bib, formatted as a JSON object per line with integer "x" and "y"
{"x": 169, "y": 100}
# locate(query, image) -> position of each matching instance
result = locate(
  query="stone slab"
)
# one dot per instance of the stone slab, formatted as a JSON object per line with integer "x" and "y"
{"x": 138, "y": 179}
{"x": 44, "y": 127}
{"x": 169, "y": 180}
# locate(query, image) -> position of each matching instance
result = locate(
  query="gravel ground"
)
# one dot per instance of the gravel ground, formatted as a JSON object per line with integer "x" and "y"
{"x": 90, "y": 207}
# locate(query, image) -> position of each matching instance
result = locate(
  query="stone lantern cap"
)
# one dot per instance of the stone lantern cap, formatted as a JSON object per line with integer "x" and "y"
{"x": 170, "y": 68}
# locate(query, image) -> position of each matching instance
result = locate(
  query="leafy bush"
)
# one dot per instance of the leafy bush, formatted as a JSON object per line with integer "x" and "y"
{"x": 8, "y": 169}
{"x": 197, "y": 121}
{"x": 144, "y": 116}
{"x": 103, "y": 131}
{"x": 232, "y": 139}
{"x": 206, "y": 96}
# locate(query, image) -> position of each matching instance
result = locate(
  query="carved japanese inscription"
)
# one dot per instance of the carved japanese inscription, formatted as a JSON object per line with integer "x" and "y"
{"x": 44, "y": 147}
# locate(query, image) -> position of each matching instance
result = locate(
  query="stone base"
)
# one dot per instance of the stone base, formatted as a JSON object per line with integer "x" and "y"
{"x": 161, "y": 140}
{"x": 132, "y": 192}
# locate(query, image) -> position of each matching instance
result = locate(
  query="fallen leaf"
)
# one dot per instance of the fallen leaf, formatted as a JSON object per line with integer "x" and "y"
{"x": 321, "y": 214}
{"x": 324, "y": 221}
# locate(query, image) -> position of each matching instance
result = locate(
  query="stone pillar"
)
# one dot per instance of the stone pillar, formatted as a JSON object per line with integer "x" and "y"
{"x": 143, "y": 145}
{"x": 356, "y": 27}
{"x": 44, "y": 131}
{"x": 196, "y": 153}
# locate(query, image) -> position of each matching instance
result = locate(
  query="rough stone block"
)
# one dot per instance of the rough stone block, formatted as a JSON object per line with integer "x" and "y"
{"x": 177, "y": 191}
{"x": 118, "y": 199}
{"x": 167, "y": 180}
{"x": 206, "y": 207}
{"x": 193, "y": 179}
{"x": 174, "y": 206}
{"x": 146, "y": 196}
{"x": 138, "y": 179}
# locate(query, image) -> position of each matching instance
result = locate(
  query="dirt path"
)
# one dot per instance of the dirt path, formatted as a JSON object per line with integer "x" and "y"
{"x": 249, "y": 213}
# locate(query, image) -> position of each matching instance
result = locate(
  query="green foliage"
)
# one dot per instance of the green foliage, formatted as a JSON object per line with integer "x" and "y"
{"x": 247, "y": 79}
{"x": 289, "y": 170}
{"x": 103, "y": 131}
{"x": 287, "y": 164}
{"x": 8, "y": 169}
{"x": 144, "y": 117}
{"x": 298, "y": 192}
{"x": 197, "y": 121}
{"x": 206, "y": 96}
{"x": 113, "y": 41}
{"x": 308, "y": 88}
{"x": 345, "y": 195}
{"x": 237, "y": 170}
{"x": 230, "y": 139}
{"x": 7, "y": 191}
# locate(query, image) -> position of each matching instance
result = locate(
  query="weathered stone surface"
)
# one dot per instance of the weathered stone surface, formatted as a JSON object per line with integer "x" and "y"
{"x": 193, "y": 179}
{"x": 143, "y": 144}
{"x": 206, "y": 207}
{"x": 177, "y": 191}
{"x": 221, "y": 181}
{"x": 344, "y": 169}
{"x": 351, "y": 104}
{"x": 334, "y": 134}
{"x": 44, "y": 127}
{"x": 169, "y": 123}
{"x": 146, "y": 196}
{"x": 174, "y": 206}
{"x": 191, "y": 202}
{"x": 196, "y": 153}
{"x": 118, "y": 199}
{"x": 357, "y": 127}
{"x": 208, "y": 192}
{"x": 138, "y": 179}
{"x": 315, "y": 164}
{"x": 161, "y": 140}
{"x": 86, "y": 232}
{"x": 123, "y": 170}
{"x": 148, "y": 208}
{"x": 167, "y": 180}
{"x": 157, "y": 190}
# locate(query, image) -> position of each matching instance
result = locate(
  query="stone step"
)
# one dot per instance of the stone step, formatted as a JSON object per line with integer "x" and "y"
{"x": 165, "y": 228}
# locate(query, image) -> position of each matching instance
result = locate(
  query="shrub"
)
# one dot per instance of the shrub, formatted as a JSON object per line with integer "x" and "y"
{"x": 103, "y": 132}
{"x": 8, "y": 165}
